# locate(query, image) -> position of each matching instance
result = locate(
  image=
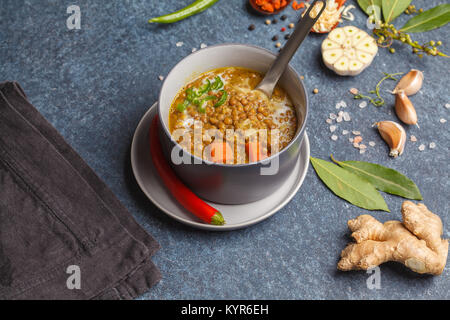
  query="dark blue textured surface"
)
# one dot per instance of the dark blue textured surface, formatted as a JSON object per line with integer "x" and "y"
{"x": 95, "y": 84}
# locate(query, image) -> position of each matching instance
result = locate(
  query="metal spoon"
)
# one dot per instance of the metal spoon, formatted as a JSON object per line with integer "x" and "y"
{"x": 279, "y": 65}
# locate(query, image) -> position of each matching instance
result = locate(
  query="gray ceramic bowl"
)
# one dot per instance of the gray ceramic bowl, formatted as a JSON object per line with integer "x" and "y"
{"x": 228, "y": 183}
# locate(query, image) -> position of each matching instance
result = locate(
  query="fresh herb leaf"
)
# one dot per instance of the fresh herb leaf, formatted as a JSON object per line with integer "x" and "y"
{"x": 428, "y": 20}
{"x": 384, "y": 179}
{"x": 368, "y": 6}
{"x": 393, "y": 8}
{"x": 349, "y": 186}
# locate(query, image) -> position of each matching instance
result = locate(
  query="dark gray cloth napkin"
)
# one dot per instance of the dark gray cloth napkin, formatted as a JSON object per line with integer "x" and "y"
{"x": 55, "y": 212}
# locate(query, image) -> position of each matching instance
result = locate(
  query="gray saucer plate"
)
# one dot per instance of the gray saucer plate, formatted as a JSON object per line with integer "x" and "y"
{"x": 236, "y": 216}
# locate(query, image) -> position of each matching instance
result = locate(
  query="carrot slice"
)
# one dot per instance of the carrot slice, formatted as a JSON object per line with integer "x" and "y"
{"x": 220, "y": 152}
{"x": 254, "y": 151}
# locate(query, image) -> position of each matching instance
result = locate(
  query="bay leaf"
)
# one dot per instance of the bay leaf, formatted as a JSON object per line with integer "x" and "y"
{"x": 393, "y": 8}
{"x": 384, "y": 179}
{"x": 349, "y": 186}
{"x": 428, "y": 20}
{"x": 366, "y": 4}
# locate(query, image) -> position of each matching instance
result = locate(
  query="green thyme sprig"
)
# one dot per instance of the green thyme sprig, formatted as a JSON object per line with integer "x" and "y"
{"x": 378, "y": 100}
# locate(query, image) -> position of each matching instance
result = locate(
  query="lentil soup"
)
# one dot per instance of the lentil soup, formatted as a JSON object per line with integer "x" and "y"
{"x": 220, "y": 118}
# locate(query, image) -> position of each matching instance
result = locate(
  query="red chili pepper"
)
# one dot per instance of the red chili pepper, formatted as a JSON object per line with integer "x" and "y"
{"x": 184, "y": 196}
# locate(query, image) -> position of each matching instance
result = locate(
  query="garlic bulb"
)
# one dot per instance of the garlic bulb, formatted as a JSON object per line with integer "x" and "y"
{"x": 348, "y": 50}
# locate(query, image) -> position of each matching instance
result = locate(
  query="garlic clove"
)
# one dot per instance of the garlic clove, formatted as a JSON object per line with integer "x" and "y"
{"x": 410, "y": 83}
{"x": 404, "y": 108}
{"x": 394, "y": 135}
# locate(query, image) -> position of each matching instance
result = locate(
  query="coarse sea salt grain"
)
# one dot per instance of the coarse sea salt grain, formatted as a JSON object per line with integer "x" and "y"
{"x": 344, "y": 132}
{"x": 372, "y": 143}
{"x": 421, "y": 147}
{"x": 447, "y": 105}
{"x": 363, "y": 104}
{"x": 413, "y": 138}
{"x": 356, "y": 145}
{"x": 356, "y": 133}
{"x": 346, "y": 116}
{"x": 361, "y": 151}
{"x": 194, "y": 49}
{"x": 333, "y": 116}
{"x": 203, "y": 46}
{"x": 341, "y": 104}
{"x": 432, "y": 145}
{"x": 161, "y": 78}
{"x": 334, "y": 137}
{"x": 332, "y": 128}
{"x": 362, "y": 146}
{"x": 350, "y": 139}
{"x": 442, "y": 120}
{"x": 339, "y": 119}
{"x": 340, "y": 113}
{"x": 179, "y": 44}
{"x": 329, "y": 121}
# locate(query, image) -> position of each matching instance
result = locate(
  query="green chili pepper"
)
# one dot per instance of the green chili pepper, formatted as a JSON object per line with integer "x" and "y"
{"x": 182, "y": 106}
{"x": 200, "y": 103}
{"x": 210, "y": 98}
{"x": 190, "y": 95}
{"x": 222, "y": 99}
{"x": 205, "y": 88}
{"x": 218, "y": 84}
{"x": 196, "y": 7}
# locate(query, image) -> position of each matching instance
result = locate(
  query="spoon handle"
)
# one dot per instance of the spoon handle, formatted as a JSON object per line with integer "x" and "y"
{"x": 279, "y": 65}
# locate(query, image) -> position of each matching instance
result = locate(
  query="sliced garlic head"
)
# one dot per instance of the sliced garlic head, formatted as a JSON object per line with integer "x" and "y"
{"x": 348, "y": 50}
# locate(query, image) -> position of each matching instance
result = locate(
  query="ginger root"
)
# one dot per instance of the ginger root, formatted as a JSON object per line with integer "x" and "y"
{"x": 416, "y": 242}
